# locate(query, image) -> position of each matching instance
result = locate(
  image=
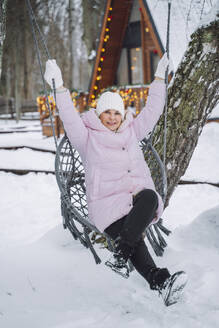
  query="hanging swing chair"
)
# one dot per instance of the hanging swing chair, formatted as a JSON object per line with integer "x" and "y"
{"x": 70, "y": 177}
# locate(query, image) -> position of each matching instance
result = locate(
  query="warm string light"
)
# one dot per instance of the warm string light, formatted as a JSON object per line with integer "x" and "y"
{"x": 42, "y": 103}
{"x": 102, "y": 58}
{"x": 128, "y": 96}
{"x": 131, "y": 96}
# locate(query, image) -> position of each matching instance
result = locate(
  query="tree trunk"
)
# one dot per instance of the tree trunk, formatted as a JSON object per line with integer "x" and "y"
{"x": 74, "y": 46}
{"x": 191, "y": 98}
{"x": 19, "y": 44}
{"x": 93, "y": 11}
{"x": 2, "y": 27}
{"x": 17, "y": 79}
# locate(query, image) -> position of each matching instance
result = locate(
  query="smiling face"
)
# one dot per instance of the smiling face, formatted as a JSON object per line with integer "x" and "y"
{"x": 111, "y": 119}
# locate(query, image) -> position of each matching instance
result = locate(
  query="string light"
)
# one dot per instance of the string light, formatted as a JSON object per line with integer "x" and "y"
{"x": 103, "y": 49}
{"x": 106, "y": 38}
{"x": 129, "y": 95}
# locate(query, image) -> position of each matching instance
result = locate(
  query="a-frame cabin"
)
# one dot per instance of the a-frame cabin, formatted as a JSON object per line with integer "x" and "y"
{"x": 129, "y": 47}
{"x": 127, "y": 55}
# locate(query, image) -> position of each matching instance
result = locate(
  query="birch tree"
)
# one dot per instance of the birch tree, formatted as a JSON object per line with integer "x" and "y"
{"x": 192, "y": 96}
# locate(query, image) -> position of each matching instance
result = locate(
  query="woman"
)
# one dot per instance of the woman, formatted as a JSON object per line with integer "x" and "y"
{"x": 121, "y": 196}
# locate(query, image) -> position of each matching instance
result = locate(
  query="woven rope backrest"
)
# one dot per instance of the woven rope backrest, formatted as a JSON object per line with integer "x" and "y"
{"x": 71, "y": 177}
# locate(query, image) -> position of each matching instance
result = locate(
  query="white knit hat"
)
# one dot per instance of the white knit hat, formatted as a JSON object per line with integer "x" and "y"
{"x": 110, "y": 100}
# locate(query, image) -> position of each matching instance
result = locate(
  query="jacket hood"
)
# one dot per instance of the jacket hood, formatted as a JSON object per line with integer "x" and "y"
{"x": 92, "y": 121}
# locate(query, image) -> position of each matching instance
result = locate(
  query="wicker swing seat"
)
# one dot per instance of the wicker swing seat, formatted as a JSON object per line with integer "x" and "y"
{"x": 70, "y": 173}
{"x": 70, "y": 177}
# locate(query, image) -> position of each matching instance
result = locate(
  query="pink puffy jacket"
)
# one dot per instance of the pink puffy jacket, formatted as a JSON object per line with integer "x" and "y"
{"x": 115, "y": 168}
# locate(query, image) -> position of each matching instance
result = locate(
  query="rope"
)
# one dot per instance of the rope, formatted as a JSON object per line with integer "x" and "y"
{"x": 166, "y": 83}
{"x": 166, "y": 102}
{"x": 203, "y": 5}
{"x": 32, "y": 22}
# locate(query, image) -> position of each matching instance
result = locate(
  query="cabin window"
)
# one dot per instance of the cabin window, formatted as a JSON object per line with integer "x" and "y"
{"x": 136, "y": 65}
{"x": 122, "y": 73}
{"x": 130, "y": 70}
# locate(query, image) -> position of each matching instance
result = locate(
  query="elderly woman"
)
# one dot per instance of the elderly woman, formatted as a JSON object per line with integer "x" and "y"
{"x": 121, "y": 196}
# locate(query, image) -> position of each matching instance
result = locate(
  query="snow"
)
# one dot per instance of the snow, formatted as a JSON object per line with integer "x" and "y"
{"x": 49, "y": 280}
{"x": 215, "y": 112}
{"x": 211, "y": 16}
{"x": 26, "y": 159}
{"x": 184, "y": 20}
{"x": 204, "y": 164}
{"x": 189, "y": 201}
{"x": 30, "y": 206}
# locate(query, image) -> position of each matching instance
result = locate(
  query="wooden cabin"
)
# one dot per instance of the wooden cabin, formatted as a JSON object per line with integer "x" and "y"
{"x": 129, "y": 47}
{"x": 126, "y": 57}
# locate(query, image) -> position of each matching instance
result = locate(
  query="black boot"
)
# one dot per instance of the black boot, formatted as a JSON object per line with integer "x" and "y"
{"x": 157, "y": 277}
{"x": 170, "y": 287}
{"x": 118, "y": 260}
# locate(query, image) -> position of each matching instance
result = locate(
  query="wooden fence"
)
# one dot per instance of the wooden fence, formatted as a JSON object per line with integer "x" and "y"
{"x": 7, "y": 107}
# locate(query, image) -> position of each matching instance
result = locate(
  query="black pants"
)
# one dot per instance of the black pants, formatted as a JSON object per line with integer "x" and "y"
{"x": 130, "y": 229}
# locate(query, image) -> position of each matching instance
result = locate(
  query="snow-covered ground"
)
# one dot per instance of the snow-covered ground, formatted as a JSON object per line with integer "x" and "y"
{"x": 50, "y": 280}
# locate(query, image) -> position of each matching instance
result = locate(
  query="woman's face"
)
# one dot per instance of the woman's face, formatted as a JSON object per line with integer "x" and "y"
{"x": 111, "y": 119}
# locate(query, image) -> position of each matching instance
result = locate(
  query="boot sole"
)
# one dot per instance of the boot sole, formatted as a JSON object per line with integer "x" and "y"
{"x": 124, "y": 275}
{"x": 175, "y": 288}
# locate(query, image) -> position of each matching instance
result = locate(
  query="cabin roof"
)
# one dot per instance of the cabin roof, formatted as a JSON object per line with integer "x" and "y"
{"x": 115, "y": 21}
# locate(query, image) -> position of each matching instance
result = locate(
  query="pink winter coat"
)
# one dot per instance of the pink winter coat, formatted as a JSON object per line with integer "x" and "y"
{"x": 115, "y": 168}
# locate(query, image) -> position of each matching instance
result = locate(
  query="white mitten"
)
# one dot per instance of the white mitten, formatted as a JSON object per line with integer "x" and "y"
{"x": 162, "y": 66}
{"x": 53, "y": 72}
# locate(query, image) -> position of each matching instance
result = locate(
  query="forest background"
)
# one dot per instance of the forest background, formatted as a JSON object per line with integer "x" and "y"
{"x": 71, "y": 29}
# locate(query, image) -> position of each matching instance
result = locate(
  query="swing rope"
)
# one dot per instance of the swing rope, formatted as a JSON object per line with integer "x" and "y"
{"x": 32, "y": 22}
{"x": 166, "y": 98}
{"x": 165, "y": 107}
